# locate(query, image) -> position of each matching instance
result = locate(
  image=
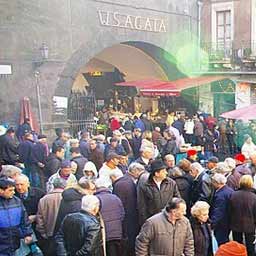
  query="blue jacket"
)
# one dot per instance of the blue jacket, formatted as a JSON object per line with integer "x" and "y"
{"x": 14, "y": 224}
{"x": 112, "y": 212}
{"x": 219, "y": 208}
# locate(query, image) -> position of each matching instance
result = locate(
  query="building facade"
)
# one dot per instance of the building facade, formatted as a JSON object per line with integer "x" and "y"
{"x": 57, "y": 45}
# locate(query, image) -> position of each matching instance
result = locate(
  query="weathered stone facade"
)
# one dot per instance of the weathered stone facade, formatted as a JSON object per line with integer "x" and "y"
{"x": 74, "y": 33}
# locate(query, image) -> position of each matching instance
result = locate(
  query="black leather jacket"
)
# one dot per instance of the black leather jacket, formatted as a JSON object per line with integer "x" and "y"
{"x": 79, "y": 235}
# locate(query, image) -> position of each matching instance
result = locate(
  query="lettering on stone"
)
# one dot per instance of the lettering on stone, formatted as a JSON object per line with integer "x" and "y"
{"x": 116, "y": 19}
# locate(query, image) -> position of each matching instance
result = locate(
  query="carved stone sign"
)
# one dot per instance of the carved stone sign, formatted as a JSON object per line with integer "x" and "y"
{"x": 116, "y": 19}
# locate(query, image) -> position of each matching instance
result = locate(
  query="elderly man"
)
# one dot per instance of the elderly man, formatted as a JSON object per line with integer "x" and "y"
{"x": 14, "y": 223}
{"x": 167, "y": 233}
{"x": 95, "y": 154}
{"x": 30, "y": 196}
{"x": 169, "y": 160}
{"x": 198, "y": 190}
{"x": 80, "y": 233}
{"x": 64, "y": 174}
{"x": 125, "y": 188}
{"x": 10, "y": 171}
{"x": 219, "y": 209}
{"x": 156, "y": 192}
{"x": 146, "y": 155}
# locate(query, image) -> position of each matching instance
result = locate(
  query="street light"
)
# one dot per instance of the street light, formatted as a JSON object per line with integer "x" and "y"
{"x": 44, "y": 55}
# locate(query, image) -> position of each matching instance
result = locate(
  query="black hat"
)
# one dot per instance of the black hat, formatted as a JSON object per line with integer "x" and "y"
{"x": 41, "y": 136}
{"x": 213, "y": 159}
{"x": 111, "y": 156}
{"x": 157, "y": 165}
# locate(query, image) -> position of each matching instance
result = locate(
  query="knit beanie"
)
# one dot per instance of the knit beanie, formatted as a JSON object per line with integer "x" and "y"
{"x": 231, "y": 248}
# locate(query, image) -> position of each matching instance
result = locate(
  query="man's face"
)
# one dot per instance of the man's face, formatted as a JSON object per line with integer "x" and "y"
{"x": 193, "y": 172}
{"x": 7, "y": 193}
{"x": 123, "y": 160}
{"x": 66, "y": 171}
{"x": 89, "y": 173}
{"x": 170, "y": 162}
{"x": 60, "y": 154}
{"x": 147, "y": 154}
{"x": 91, "y": 190}
{"x": 161, "y": 174}
{"x": 43, "y": 141}
{"x": 137, "y": 133}
{"x": 22, "y": 186}
{"x": 93, "y": 145}
{"x": 211, "y": 165}
{"x": 180, "y": 211}
{"x": 114, "y": 144}
{"x": 115, "y": 161}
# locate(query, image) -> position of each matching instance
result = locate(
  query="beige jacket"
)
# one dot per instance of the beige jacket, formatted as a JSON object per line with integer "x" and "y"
{"x": 159, "y": 237}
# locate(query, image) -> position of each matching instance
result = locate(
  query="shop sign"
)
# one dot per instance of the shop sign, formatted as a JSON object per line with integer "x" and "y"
{"x": 116, "y": 19}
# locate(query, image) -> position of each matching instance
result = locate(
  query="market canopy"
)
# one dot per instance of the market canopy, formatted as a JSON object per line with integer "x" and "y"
{"x": 245, "y": 114}
{"x": 153, "y": 87}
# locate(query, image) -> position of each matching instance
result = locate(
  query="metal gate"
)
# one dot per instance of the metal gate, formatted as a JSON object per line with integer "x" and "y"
{"x": 81, "y": 112}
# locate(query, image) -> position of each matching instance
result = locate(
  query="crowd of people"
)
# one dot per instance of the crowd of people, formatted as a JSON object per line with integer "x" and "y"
{"x": 130, "y": 191}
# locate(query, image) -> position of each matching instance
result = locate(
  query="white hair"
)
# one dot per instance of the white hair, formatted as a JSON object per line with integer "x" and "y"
{"x": 22, "y": 177}
{"x": 103, "y": 182}
{"x": 10, "y": 170}
{"x": 89, "y": 203}
{"x": 116, "y": 174}
{"x": 136, "y": 167}
{"x": 199, "y": 207}
{"x": 169, "y": 156}
{"x": 219, "y": 178}
{"x": 197, "y": 166}
{"x": 231, "y": 163}
{"x": 222, "y": 167}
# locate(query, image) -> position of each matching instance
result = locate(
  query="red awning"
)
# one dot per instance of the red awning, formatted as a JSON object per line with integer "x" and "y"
{"x": 152, "y": 87}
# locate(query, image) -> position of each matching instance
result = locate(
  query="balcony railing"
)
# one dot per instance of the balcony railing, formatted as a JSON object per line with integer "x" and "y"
{"x": 230, "y": 56}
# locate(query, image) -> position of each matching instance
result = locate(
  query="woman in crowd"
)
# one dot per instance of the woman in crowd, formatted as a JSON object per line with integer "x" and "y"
{"x": 242, "y": 214}
{"x": 201, "y": 229}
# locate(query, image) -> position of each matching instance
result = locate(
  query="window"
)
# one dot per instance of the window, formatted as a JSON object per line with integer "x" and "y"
{"x": 223, "y": 30}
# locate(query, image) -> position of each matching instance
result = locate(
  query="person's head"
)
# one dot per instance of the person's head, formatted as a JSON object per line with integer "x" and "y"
{"x": 22, "y": 184}
{"x": 168, "y": 135}
{"x": 246, "y": 182}
{"x": 65, "y": 168}
{"x": 196, "y": 169}
{"x": 157, "y": 129}
{"x": 85, "y": 186}
{"x": 65, "y": 136}
{"x": 59, "y": 152}
{"x": 92, "y": 144}
{"x": 74, "y": 143}
{"x": 59, "y": 132}
{"x": 212, "y": 162}
{"x": 75, "y": 151}
{"x": 27, "y": 120}
{"x": 218, "y": 180}
{"x": 115, "y": 175}
{"x": 158, "y": 170}
{"x": 147, "y": 135}
{"x": 240, "y": 158}
{"x": 169, "y": 160}
{"x": 10, "y": 171}
{"x": 59, "y": 183}
{"x": 176, "y": 208}
{"x": 85, "y": 135}
{"x": 185, "y": 165}
{"x": 28, "y": 136}
{"x": 10, "y": 132}
{"x": 90, "y": 170}
{"x": 42, "y": 138}
{"x": 200, "y": 211}
{"x": 147, "y": 152}
{"x": 113, "y": 142}
{"x": 176, "y": 172}
{"x": 123, "y": 160}
{"x": 102, "y": 182}
{"x": 222, "y": 168}
{"x": 231, "y": 163}
{"x": 231, "y": 248}
{"x": 117, "y": 135}
{"x": 136, "y": 169}
{"x": 90, "y": 204}
{"x": 137, "y": 132}
{"x": 113, "y": 159}
{"x": 7, "y": 187}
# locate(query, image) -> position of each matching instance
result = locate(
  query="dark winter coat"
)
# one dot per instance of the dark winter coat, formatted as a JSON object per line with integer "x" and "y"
{"x": 52, "y": 165}
{"x": 170, "y": 148}
{"x": 242, "y": 211}
{"x": 80, "y": 161}
{"x": 179, "y": 125}
{"x": 233, "y": 179}
{"x": 202, "y": 241}
{"x": 39, "y": 153}
{"x": 80, "y": 234}
{"x": 32, "y": 200}
{"x": 140, "y": 161}
{"x": 219, "y": 208}
{"x": 125, "y": 189}
{"x": 9, "y": 150}
{"x": 70, "y": 203}
{"x": 57, "y": 143}
{"x": 25, "y": 151}
{"x": 97, "y": 157}
{"x": 147, "y": 124}
{"x": 135, "y": 145}
{"x": 119, "y": 149}
{"x": 14, "y": 225}
{"x": 84, "y": 148}
{"x": 112, "y": 212}
{"x": 151, "y": 200}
